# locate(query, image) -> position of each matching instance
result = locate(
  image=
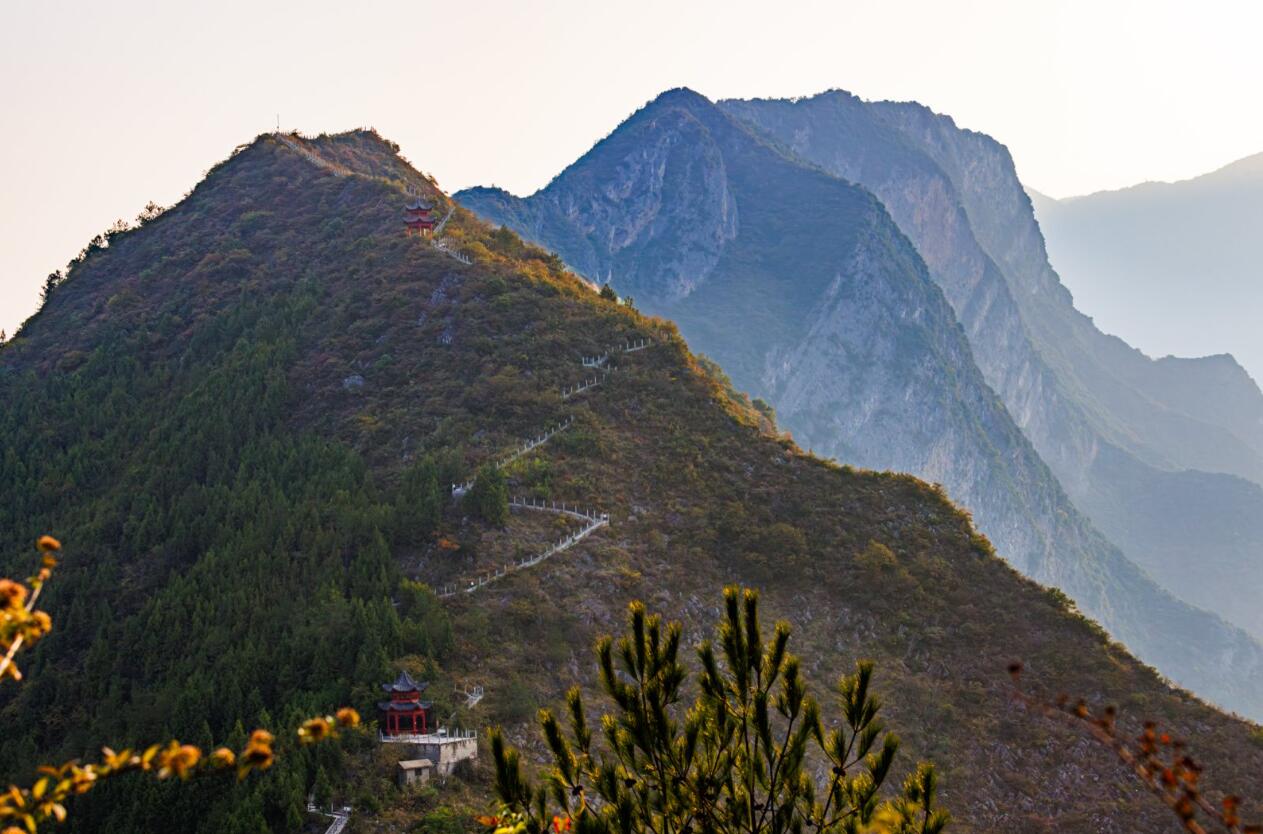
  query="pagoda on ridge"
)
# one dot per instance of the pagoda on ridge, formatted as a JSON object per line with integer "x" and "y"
{"x": 419, "y": 218}
{"x": 405, "y": 713}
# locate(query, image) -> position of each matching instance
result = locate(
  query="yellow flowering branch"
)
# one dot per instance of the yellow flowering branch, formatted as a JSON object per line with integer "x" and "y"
{"x": 23, "y": 810}
{"x": 20, "y": 623}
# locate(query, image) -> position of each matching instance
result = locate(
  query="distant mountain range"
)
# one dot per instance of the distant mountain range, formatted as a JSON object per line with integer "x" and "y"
{"x": 827, "y": 253}
{"x": 1172, "y": 267}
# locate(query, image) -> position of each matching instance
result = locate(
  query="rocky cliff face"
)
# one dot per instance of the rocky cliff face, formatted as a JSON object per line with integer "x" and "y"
{"x": 669, "y": 193}
{"x": 1112, "y": 424}
{"x": 1126, "y": 396}
{"x": 807, "y": 293}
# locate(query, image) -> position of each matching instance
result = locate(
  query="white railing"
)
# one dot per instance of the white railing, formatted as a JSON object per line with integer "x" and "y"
{"x": 443, "y": 736}
{"x": 471, "y": 696}
{"x": 574, "y": 390}
{"x": 524, "y": 447}
{"x": 446, "y": 248}
{"x": 315, "y": 159}
{"x": 632, "y": 347}
{"x": 592, "y": 520}
{"x": 564, "y": 543}
{"x": 534, "y": 443}
{"x": 626, "y": 346}
{"x": 341, "y": 816}
{"x": 438, "y": 230}
{"x": 558, "y": 507}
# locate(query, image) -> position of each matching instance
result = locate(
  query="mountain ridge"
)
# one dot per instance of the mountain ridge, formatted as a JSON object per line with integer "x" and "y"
{"x": 1136, "y": 254}
{"x": 813, "y": 299}
{"x": 1251, "y": 165}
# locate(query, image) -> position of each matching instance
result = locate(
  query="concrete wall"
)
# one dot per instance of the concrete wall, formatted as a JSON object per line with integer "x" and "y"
{"x": 445, "y": 754}
{"x": 443, "y": 751}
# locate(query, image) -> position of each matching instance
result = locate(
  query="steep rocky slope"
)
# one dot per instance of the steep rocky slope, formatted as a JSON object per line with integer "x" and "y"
{"x": 1217, "y": 438}
{"x": 957, "y": 195}
{"x": 1112, "y": 424}
{"x": 220, "y": 344}
{"x": 805, "y": 292}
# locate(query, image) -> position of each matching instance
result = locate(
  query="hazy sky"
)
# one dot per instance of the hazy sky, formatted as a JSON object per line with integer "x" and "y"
{"x": 107, "y": 105}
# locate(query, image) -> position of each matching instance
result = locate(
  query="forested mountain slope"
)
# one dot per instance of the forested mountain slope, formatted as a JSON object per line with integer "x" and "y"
{"x": 237, "y": 418}
{"x": 803, "y": 289}
{"x": 1118, "y": 428}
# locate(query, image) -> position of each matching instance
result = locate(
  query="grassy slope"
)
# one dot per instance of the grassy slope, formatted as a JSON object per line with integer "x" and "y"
{"x": 694, "y": 489}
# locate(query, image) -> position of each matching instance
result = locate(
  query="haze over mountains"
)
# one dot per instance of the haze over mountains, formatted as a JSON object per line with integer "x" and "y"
{"x": 738, "y": 220}
{"x": 1172, "y": 267}
{"x": 1125, "y": 434}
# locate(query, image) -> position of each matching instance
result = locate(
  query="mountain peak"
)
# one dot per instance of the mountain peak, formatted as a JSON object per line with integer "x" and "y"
{"x": 677, "y": 100}
{"x": 275, "y": 174}
{"x": 679, "y": 96}
{"x": 361, "y": 151}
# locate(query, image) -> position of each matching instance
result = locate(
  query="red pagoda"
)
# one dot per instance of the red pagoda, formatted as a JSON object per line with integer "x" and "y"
{"x": 405, "y": 713}
{"x": 418, "y": 217}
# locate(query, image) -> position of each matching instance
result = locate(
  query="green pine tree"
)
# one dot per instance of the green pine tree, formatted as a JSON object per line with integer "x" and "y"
{"x": 734, "y": 761}
{"x": 490, "y": 495}
{"x": 322, "y": 788}
{"x": 419, "y": 502}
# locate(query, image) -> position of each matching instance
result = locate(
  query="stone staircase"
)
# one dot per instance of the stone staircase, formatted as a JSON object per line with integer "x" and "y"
{"x": 592, "y": 520}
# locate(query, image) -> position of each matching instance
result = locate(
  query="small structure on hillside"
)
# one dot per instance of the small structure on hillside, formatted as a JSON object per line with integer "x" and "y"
{"x": 413, "y": 772}
{"x": 448, "y": 749}
{"x": 444, "y": 749}
{"x": 472, "y": 696}
{"x": 405, "y": 713}
{"x": 419, "y": 218}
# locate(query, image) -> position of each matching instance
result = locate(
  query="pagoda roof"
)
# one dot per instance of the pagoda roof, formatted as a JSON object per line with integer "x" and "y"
{"x": 404, "y": 706}
{"x": 419, "y": 204}
{"x": 404, "y": 683}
